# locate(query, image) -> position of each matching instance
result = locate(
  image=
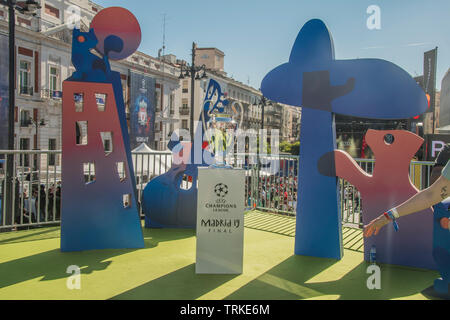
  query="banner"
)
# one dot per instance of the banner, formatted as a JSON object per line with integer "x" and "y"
{"x": 4, "y": 91}
{"x": 142, "y": 110}
{"x": 429, "y": 76}
{"x": 220, "y": 221}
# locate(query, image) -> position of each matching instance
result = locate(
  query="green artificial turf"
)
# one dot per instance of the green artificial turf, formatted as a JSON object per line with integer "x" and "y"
{"x": 32, "y": 267}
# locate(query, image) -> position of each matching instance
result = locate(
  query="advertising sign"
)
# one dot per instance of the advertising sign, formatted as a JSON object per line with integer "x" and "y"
{"x": 142, "y": 110}
{"x": 220, "y": 221}
{"x": 434, "y": 144}
{"x": 4, "y": 91}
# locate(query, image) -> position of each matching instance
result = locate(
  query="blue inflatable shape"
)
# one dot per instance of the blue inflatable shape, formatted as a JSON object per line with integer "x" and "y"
{"x": 164, "y": 202}
{"x": 314, "y": 80}
{"x": 441, "y": 248}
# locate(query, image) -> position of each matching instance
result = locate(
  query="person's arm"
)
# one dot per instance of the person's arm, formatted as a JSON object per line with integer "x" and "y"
{"x": 439, "y": 191}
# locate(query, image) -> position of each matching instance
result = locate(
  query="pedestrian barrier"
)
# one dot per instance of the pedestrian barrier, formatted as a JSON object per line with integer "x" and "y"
{"x": 271, "y": 184}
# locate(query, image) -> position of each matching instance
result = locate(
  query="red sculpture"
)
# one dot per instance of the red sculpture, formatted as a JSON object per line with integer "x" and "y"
{"x": 387, "y": 187}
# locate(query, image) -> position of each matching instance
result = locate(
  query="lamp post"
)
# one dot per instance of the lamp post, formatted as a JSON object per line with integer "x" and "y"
{"x": 28, "y": 7}
{"x": 262, "y": 103}
{"x": 192, "y": 71}
{"x": 37, "y": 124}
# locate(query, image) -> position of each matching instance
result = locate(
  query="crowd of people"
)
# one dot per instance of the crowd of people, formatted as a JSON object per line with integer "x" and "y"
{"x": 36, "y": 203}
{"x": 275, "y": 192}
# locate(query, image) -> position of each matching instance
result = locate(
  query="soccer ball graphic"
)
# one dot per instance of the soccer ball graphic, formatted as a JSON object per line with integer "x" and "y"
{"x": 221, "y": 190}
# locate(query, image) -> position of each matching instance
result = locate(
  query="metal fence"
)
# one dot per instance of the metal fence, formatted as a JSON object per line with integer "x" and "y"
{"x": 271, "y": 186}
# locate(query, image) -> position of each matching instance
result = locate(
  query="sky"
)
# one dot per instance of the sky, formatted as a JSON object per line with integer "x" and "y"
{"x": 257, "y": 35}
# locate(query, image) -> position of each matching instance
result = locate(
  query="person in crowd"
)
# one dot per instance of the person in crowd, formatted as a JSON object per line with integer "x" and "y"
{"x": 42, "y": 202}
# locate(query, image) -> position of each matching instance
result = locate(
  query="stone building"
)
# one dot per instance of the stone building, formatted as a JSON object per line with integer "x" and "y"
{"x": 43, "y": 62}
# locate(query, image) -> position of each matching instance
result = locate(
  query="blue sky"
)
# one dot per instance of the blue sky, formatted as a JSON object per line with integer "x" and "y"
{"x": 257, "y": 35}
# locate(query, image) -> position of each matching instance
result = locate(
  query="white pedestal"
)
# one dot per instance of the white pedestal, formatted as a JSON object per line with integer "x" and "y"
{"x": 220, "y": 221}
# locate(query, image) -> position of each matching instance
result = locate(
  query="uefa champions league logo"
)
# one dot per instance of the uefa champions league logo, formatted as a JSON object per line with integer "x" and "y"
{"x": 221, "y": 190}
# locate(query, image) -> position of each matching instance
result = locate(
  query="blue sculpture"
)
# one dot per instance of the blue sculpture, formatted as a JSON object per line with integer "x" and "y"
{"x": 314, "y": 80}
{"x": 164, "y": 202}
{"x": 441, "y": 247}
{"x": 99, "y": 207}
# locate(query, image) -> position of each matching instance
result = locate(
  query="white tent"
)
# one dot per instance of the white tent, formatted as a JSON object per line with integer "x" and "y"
{"x": 150, "y": 163}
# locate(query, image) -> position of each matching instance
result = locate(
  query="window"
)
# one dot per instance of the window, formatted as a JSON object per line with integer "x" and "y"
{"x": 107, "y": 142}
{"x": 24, "y": 158}
{"x": 185, "y": 86}
{"x": 126, "y": 200}
{"x": 158, "y": 100}
{"x": 52, "y": 156}
{"x": 25, "y": 78}
{"x": 121, "y": 172}
{"x": 81, "y": 133}
{"x": 101, "y": 101}
{"x": 89, "y": 172}
{"x": 25, "y": 119}
{"x": 51, "y": 11}
{"x": 53, "y": 81}
{"x": 171, "y": 104}
{"x": 78, "y": 99}
{"x": 184, "y": 124}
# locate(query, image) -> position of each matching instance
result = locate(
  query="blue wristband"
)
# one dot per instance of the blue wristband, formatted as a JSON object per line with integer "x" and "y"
{"x": 394, "y": 222}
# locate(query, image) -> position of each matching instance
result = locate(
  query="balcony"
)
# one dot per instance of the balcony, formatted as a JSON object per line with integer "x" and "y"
{"x": 28, "y": 91}
{"x": 273, "y": 112}
{"x": 184, "y": 111}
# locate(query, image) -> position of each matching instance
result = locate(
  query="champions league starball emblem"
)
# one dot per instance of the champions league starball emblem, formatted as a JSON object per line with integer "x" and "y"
{"x": 221, "y": 190}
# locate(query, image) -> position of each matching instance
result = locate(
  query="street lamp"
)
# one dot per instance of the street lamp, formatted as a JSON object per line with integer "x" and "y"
{"x": 192, "y": 71}
{"x": 28, "y": 7}
{"x": 37, "y": 124}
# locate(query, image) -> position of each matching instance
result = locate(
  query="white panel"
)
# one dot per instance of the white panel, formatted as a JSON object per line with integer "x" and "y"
{"x": 220, "y": 221}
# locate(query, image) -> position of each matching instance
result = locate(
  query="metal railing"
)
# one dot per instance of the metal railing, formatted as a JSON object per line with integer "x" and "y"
{"x": 36, "y": 189}
{"x": 278, "y": 193}
{"x": 271, "y": 186}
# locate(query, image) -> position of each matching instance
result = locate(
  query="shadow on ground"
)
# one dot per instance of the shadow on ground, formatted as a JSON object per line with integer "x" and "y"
{"x": 30, "y": 235}
{"x": 182, "y": 284}
{"x": 292, "y": 279}
{"x": 52, "y": 265}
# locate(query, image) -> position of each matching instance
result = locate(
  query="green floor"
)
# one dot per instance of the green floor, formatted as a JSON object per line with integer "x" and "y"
{"x": 32, "y": 267}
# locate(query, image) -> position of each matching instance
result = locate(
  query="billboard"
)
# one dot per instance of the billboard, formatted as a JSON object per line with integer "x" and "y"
{"x": 4, "y": 91}
{"x": 444, "y": 115}
{"x": 142, "y": 109}
{"x": 434, "y": 144}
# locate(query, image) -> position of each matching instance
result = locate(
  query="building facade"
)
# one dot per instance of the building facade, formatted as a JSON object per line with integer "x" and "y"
{"x": 43, "y": 62}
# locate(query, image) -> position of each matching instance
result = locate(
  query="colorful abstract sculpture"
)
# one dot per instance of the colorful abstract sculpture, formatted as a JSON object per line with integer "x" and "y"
{"x": 441, "y": 247}
{"x": 388, "y": 187}
{"x": 99, "y": 204}
{"x": 314, "y": 80}
{"x": 165, "y": 203}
